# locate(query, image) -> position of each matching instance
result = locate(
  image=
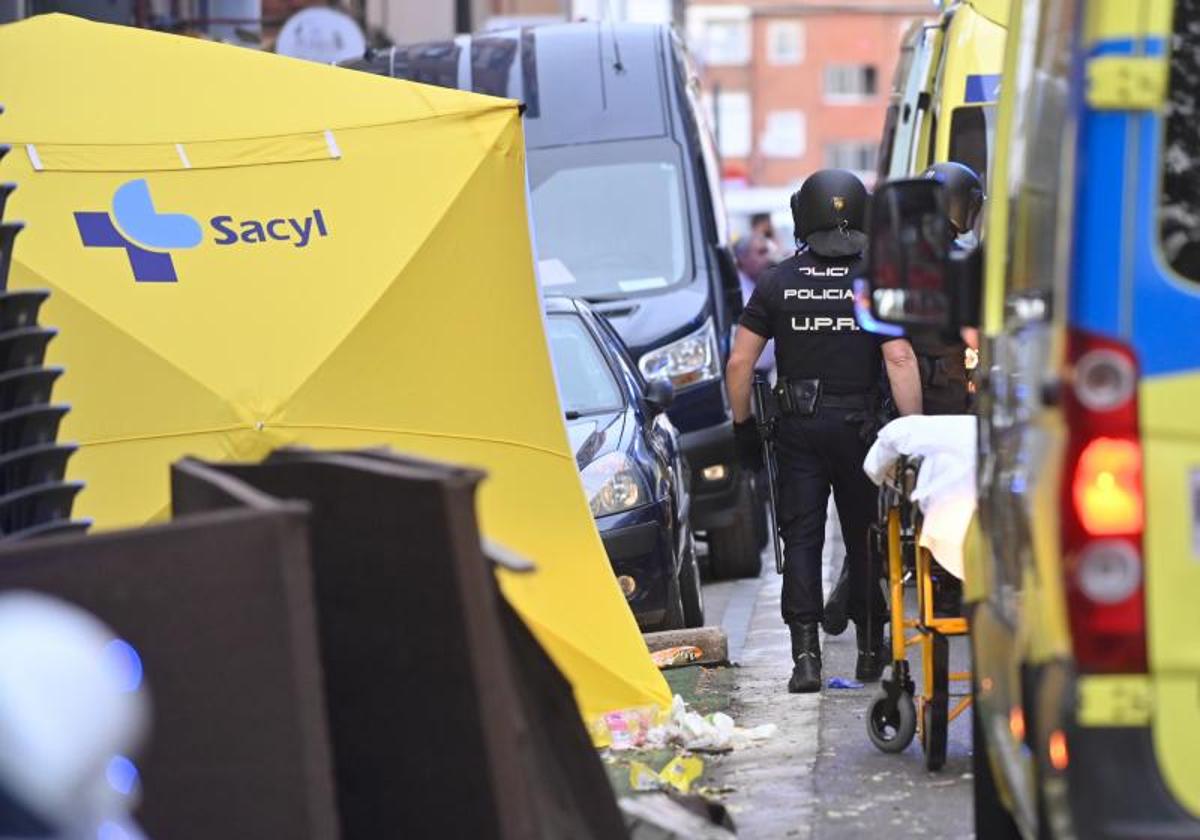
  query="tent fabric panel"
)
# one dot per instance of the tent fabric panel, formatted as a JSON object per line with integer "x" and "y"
{"x": 469, "y": 291}
{"x": 197, "y": 91}
{"x": 280, "y": 308}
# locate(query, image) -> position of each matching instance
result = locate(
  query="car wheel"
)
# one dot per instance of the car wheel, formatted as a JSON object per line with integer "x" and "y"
{"x": 992, "y": 819}
{"x": 734, "y": 551}
{"x": 689, "y": 586}
{"x": 674, "y": 618}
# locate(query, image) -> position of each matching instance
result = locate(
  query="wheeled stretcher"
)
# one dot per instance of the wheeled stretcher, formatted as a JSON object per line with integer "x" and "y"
{"x": 898, "y": 712}
{"x": 901, "y": 710}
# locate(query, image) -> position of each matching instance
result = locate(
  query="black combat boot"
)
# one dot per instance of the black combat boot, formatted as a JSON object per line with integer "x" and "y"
{"x": 806, "y": 659}
{"x": 871, "y": 652}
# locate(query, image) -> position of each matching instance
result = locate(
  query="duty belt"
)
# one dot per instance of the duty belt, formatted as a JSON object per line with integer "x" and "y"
{"x": 805, "y": 397}
{"x": 854, "y": 401}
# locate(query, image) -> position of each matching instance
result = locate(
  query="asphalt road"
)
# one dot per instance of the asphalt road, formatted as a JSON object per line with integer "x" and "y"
{"x": 821, "y": 777}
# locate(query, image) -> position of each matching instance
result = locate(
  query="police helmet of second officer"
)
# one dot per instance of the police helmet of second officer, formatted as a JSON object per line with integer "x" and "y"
{"x": 963, "y": 193}
{"x": 830, "y": 211}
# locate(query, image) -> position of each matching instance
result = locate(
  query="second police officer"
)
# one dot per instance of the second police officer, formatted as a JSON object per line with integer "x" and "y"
{"x": 829, "y": 373}
{"x": 943, "y": 362}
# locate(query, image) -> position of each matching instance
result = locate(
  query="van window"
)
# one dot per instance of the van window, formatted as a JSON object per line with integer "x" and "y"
{"x": 1181, "y": 160}
{"x": 610, "y": 218}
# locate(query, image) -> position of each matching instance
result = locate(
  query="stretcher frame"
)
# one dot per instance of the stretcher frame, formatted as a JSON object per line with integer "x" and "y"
{"x": 898, "y": 713}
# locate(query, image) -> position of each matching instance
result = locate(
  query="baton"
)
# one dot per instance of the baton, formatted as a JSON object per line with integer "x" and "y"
{"x": 759, "y": 396}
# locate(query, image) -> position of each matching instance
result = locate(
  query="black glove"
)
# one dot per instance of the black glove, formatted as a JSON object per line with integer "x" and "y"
{"x": 869, "y": 423}
{"x": 749, "y": 444}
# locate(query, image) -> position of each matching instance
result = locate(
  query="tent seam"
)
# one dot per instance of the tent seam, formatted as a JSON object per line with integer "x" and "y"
{"x": 360, "y": 126}
{"x": 415, "y": 433}
{"x": 56, "y": 289}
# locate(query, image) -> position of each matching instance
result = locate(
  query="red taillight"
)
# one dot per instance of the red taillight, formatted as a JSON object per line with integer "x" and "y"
{"x": 1103, "y": 508}
{"x": 1107, "y": 487}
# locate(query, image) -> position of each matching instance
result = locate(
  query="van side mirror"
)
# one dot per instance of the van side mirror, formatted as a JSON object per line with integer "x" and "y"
{"x": 917, "y": 279}
{"x": 660, "y": 393}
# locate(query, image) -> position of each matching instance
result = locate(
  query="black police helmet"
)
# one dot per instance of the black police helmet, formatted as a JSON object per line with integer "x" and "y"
{"x": 830, "y": 212}
{"x": 963, "y": 193}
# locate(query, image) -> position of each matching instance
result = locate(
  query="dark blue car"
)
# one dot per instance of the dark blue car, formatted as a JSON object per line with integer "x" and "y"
{"x": 631, "y": 464}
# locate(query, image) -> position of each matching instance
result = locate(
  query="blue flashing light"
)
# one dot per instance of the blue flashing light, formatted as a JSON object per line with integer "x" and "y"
{"x": 122, "y": 774}
{"x": 862, "y": 313}
{"x": 123, "y": 660}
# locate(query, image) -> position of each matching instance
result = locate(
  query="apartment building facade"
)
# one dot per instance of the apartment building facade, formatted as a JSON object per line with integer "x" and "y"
{"x": 792, "y": 86}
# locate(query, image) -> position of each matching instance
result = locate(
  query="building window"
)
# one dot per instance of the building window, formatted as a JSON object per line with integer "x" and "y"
{"x": 785, "y": 42}
{"x": 785, "y": 135}
{"x": 720, "y": 34}
{"x": 850, "y": 82}
{"x": 729, "y": 114}
{"x": 855, "y": 155}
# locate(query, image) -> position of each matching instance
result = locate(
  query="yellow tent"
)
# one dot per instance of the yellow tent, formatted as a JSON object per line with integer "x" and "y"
{"x": 247, "y": 251}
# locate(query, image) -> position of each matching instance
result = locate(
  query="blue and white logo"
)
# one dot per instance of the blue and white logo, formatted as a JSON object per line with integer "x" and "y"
{"x": 149, "y": 236}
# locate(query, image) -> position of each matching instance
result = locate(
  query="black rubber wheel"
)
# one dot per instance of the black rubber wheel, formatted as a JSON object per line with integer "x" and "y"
{"x": 674, "y": 619}
{"x": 733, "y": 551}
{"x": 992, "y": 819}
{"x": 690, "y": 588}
{"x": 891, "y": 725}
{"x": 935, "y": 716}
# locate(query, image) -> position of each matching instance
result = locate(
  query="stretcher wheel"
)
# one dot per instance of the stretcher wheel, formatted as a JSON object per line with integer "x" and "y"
{"x": 935, "y": 711}
{"x": 891, "y": 722}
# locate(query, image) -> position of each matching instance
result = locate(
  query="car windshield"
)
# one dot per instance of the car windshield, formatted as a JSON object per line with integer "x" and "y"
{"x": 609, "y": 218}
{"x": 585, "y": 381}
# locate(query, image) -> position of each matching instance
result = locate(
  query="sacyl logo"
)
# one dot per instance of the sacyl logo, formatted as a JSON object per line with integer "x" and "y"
{"x": 148, "y": 235}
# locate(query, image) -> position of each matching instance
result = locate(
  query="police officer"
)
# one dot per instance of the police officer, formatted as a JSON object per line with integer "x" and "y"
{"x": 943, "y": 362}
{"x": 829, "y": 371}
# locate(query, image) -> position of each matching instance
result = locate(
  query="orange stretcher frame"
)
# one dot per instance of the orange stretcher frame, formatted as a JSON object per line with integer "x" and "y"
{"x": 898, "y": 712}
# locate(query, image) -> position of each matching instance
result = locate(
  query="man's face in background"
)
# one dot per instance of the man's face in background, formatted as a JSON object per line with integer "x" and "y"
{"x": 755, "y": 255}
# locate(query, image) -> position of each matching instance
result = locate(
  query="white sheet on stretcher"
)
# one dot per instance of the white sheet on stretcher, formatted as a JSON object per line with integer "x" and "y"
{"x": 945, "y": 489}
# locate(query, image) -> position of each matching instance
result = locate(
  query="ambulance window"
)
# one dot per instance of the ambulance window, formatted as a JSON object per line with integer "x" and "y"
{"x": 971, "y": 131}
{"x": 889, "y": 140}
{"x": 1181, "y": 159}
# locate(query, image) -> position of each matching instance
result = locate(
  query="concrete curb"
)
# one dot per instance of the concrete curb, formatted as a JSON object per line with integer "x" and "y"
{"x": 712, "y": 641}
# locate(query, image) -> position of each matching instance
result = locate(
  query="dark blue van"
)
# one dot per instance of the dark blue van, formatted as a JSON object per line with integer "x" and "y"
{"x": 628, "y": 216}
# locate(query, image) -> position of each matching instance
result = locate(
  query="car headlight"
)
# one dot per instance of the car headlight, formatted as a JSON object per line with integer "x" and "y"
{"x": 692, "y": 359}
{"x": 613, "y": 484}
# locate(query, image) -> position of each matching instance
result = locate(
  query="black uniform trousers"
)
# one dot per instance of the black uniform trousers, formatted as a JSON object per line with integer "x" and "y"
{"x": 817, "y": 454}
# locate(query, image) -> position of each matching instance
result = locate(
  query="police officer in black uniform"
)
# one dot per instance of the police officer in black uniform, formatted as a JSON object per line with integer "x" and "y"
{"x": 829, "y": 377}
{"x": 944, "y": 362}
